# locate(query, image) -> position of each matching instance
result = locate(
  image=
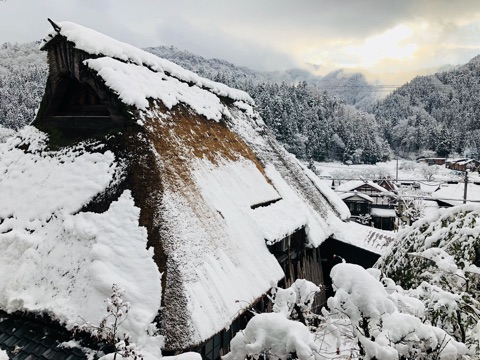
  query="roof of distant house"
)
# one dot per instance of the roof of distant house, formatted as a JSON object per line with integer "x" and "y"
{"x": 349, "y": 195}
{"x": 355, "y": 184}
{"x": 453, "y": 193}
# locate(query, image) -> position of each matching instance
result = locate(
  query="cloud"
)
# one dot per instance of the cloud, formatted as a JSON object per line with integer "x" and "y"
{"x": 211, "y": 41}
{"x": 272, "y": 34}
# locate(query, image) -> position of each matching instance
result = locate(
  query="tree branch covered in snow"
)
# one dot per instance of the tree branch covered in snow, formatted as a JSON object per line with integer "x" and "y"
{"x": 436, "y": 261}
{"x": 368, "y": 318}
{"x": 108, "y": 329}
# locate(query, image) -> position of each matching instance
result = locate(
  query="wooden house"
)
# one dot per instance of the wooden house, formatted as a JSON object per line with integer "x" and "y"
{"x": 431, "y": 161}
{"x": 222, "y": 211}
{"x": 357, "y": 202}
{"x": 369, "y": 198}
{"x": 463, "y": 165}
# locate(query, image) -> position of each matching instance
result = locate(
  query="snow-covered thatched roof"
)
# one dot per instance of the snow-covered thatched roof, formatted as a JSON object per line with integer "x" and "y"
{"x": 166, "y": 206}
{"x": 365, "y": 237}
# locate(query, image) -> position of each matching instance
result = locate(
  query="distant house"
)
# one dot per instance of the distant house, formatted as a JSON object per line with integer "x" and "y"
{"x": 432, "y": 161}
{"x": 163, "y": 182}
{"x": 369, "y": 198}
{"x": 387, "y": 184}
{"x": 379, "y": 194}
{"x": 357, "y": 202}
{"x": 463, "y": 164}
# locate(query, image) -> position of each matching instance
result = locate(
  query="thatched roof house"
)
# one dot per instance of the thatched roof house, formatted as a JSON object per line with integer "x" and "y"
{"x": 177, "y": 198}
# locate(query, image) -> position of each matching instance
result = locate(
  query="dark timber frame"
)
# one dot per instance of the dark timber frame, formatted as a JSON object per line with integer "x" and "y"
{"x": 76, "y": 101}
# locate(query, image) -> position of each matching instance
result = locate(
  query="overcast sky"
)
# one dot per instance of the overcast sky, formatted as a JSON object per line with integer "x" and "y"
{"x": 376, "y": 36}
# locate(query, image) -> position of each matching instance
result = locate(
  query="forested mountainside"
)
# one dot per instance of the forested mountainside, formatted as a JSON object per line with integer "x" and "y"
{"x": 308, "y": 120}
{"x": 438, "y": 113}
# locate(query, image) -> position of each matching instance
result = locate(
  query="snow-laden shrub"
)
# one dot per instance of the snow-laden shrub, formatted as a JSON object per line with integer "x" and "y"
{"x": 436, "y": 261}
{"x": 273, "y": 335}
{"x": 383, "y": 319}
{"x": 298, "y": 298}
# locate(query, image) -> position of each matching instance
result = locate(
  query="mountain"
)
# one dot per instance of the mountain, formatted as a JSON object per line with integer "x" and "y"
{"x": 439, "y": 113}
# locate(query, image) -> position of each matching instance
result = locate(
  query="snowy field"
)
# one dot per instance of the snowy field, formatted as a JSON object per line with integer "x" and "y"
{"x": 408, "y": 170}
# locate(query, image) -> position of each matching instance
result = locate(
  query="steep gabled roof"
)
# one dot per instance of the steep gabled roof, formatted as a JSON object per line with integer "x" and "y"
{"x": 355, "y": 195}
{"x": 137, "y": 76}
{"x": 165, "y": 206}
{"x": 355, "y": 184}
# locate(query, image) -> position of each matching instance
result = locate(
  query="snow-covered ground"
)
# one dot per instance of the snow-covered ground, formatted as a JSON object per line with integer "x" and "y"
{"x": 430, "y": 181}
{"x": 408, "y": 170}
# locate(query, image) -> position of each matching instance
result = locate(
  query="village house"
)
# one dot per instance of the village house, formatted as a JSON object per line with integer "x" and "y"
{"x": 184, "y": 174}
{"x": 463, "y": 164}
{"x": 431, "y": 161}
{"x": 369, "y": 203}
{"x": 448, "y": 195}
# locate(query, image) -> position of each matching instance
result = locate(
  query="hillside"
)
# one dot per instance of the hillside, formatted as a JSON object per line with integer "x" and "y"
{"x": 437, "y": 113}
{"x": 353, "y": 88}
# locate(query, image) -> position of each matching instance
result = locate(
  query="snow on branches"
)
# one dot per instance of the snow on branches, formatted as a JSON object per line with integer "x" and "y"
{"x": 369, "y": 317}
{"x": 108, "y": 329}
{"x": 382, "y": 318}
{"x": 275, "y": 335}
{"x": 436, "y": 262}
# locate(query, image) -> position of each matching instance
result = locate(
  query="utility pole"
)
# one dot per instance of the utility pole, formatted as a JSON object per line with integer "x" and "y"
{"x": 396, "y": 174}
{"x": 465, "y": 187}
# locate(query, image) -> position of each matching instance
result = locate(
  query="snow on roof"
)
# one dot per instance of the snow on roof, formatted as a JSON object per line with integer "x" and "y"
{"x": 429, "y": 187}
{"x": 330, "y": 195}
{"x": 56, "y": 259}
{"x": 277, "y": 220}
{"x": 354, "y": 184}
{"x": 430, "y": 206}
{"x": 129, "y": 71}
{"x": 453, "y": 193}
{"x": 365, "y": 237}
{"x": 381, "y": 212}
{"x": 231, "y": 266}
{"x": 360, "y": 195}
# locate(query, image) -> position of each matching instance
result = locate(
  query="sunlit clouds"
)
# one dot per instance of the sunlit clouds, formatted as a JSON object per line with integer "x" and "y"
{"x": 393, "y": 44}
{"x": 402, "y": 51}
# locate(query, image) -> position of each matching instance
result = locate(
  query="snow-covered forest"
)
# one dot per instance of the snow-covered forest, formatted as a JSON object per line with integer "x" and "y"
{"x": 438, "y": 114}
{"x": 23, "y": 73}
